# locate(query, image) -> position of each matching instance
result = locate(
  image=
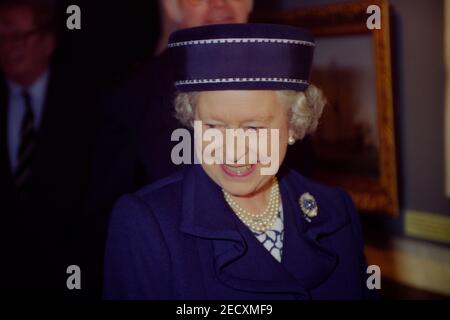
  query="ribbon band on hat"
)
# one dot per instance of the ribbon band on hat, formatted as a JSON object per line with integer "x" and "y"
{"x": 242, "y": 57}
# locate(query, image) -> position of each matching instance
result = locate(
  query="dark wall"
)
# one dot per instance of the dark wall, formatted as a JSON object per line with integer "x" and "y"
{"x": 114, "y": 37}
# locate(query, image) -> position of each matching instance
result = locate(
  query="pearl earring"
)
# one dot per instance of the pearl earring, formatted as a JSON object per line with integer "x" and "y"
{"x": 291, "y": 140}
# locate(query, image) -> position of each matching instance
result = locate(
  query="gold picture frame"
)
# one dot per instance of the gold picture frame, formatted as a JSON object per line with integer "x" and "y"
{"x": 345, "y": 25}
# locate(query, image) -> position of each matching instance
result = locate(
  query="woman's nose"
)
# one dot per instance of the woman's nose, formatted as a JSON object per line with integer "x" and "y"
{"x": 236, "y": 149}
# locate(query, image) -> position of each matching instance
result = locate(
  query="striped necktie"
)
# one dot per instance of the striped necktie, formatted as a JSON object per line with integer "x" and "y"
{"x": 27, "y": 144}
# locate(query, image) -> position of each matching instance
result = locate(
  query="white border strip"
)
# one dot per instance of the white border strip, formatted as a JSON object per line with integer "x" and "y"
{"x": 233, "y": 80}
{"x": 241, "y": 40}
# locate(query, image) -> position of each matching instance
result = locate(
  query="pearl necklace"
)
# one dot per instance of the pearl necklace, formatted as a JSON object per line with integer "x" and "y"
{"x": 258, "y": 222}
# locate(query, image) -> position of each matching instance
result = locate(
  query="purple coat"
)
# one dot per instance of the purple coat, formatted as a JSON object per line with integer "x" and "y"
{"x": 178, "y": 239}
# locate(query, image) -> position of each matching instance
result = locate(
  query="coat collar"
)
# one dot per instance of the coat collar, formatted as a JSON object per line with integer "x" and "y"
{"x": 240, "y": 261}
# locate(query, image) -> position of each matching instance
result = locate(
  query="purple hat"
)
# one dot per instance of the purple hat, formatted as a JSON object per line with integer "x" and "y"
{"x": 241, "y": 57}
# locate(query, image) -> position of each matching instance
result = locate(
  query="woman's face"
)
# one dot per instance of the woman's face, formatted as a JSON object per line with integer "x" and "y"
{"x": 247, "y": 110}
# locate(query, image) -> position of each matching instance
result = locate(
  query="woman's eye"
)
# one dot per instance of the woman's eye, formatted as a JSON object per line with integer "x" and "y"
{"x": 213, "y": 126}
{"x": 253, "y": 128}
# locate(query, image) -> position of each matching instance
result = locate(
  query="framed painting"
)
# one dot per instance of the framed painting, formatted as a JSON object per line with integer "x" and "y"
{"x": 354, "y": 145}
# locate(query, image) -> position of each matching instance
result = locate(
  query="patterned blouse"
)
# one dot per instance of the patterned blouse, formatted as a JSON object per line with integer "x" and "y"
{"x": 272, "y": 239}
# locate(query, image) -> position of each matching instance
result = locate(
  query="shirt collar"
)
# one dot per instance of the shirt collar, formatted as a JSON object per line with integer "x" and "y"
{"x": 37, "y": 89}
{"x": 37, "y": 92}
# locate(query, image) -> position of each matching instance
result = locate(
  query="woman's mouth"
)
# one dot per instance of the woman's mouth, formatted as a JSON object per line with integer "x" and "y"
{"x": 238, "y": 170}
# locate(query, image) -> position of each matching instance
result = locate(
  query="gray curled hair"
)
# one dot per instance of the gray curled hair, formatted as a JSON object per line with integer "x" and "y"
{"x": 304, "y": 109}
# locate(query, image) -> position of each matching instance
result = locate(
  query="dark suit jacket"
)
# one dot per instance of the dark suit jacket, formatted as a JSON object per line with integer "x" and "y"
{"x": 41, "y": 227}
{"x": 178, "y": 239}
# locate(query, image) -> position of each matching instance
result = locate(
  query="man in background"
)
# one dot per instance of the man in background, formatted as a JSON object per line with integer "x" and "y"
{"x": 133, "y": 145}
{"x": 44, "y": 151}
{"x": 179, "y": 14}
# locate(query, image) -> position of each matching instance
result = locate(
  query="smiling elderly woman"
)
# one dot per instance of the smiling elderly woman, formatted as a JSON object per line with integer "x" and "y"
{"x": 303, "y": 108}
{"x": 226, "y": 230}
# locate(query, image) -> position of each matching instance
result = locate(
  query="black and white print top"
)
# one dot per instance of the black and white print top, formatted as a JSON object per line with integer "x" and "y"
{"x": 272, "y": 239}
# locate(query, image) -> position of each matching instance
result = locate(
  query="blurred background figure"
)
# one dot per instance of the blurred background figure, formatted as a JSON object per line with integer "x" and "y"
{"x": 178, "y": 14}
{"x": 133, "y": 145}
{"x": 44, "y": 132}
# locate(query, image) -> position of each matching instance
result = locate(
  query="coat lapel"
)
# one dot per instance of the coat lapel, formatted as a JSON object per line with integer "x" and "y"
{"x": 304, "y": 255}
{"x": 240, "y": 261}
